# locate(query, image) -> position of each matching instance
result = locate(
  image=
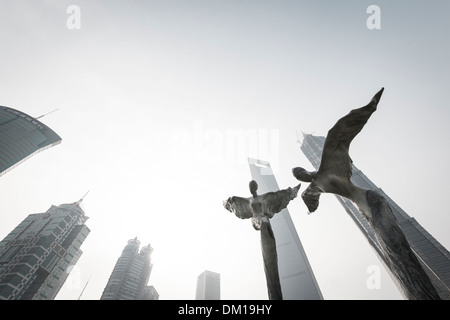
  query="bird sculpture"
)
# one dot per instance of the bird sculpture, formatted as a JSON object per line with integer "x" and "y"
{"x": 260, "y": 208}
{"x": 333, "y": 176}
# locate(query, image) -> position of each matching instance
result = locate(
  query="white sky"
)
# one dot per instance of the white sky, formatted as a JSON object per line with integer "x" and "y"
{"x": 151, "y": 95}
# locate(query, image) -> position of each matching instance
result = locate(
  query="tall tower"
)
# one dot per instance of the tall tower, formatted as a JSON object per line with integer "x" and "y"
{"x": 129, "y": 278}
{"x": 208, "y": 286}
{"x": 150, "y": 293}
{"x": 21, "y": 137}
{"x": 35, "y": 257}
{"x": 433, "y": 256}
{"x": 296, "y": 276}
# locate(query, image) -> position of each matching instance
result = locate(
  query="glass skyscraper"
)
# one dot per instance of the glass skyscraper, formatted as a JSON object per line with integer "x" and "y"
{"x": 129, "y": 278}
{"x": 35, "y": 257}
{"x": 208, "y": 286}
{"x": 22, "y": 136}
{"x": 433, "y": 256}
{"x": 296, "y": 276}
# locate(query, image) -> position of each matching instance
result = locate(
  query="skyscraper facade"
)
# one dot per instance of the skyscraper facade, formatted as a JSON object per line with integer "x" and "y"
{"x": 22, "y": 136}
{"x": 433, "y": 256}
{"x": 129, "y": 278}
{"x": 208, "y": 286}
{"x": 150, "y": 293}
{"x": 35, "y": 257}
{"x": 296, "y": 275}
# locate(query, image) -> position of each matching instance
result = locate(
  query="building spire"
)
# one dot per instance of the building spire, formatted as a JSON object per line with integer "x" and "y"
{"x": 82, "y": 198}
{"x": 79, "y": 297}
{"x": 47, "y": 113}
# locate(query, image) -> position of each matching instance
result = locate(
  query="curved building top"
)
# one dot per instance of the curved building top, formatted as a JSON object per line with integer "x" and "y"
{"x": 21, "y": 137}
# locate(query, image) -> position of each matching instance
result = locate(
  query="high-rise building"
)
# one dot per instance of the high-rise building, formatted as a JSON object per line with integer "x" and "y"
{"x": 150, "y": 293}
{"x": 296, "y": 275}
{"x": 433, "y": 256}
{"x": 35, "y": 257}
{"x": 21, "y": 137}
{"x": 129, "y": 278}
{"x": 208, "y": 286}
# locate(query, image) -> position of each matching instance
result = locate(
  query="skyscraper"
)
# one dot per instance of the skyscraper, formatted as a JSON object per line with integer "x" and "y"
{"x": 21, "y": 137}
{"x": 433, "y": 256}
{"x": 296, "y": 276}
{"x": 129, "y": 278}
{"x": 150, "y": 293}
{"x": 208, "y": 286}
{"x": 35, "y": 257}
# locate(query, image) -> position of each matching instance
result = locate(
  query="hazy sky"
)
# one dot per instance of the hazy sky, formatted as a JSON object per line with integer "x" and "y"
{"x": 161, "y": 102}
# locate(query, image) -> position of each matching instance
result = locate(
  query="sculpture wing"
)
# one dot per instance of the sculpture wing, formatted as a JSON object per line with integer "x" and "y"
{"x": 335, "y": 155}
{"x": 276, "y": 201}
{"x": 311, "y": 197}
{"x": 241, "y": 207}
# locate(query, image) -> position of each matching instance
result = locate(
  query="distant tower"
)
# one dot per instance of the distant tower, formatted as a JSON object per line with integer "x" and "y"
{"x": 150, "y": 293}
{"x": 21, "y": 137}
{"x": 433, "y": 256}
{"x": 208, "y": 286}
{"x": 129, "y": 278}
{"x": 296, "y": 276}
{"x": 35, "y": 257}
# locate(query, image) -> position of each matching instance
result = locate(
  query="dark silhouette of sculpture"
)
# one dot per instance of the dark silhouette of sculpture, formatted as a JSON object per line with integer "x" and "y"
{"x": 333, "y": 176}
{"x": 260, "y": 208}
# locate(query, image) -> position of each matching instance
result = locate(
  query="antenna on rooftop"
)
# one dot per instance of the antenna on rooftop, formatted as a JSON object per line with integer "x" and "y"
{"x": 79, "y": 297}
{"x": 82, "y": 198}
{"x": 85, "y": 195}
{"x": 47, "y": 113}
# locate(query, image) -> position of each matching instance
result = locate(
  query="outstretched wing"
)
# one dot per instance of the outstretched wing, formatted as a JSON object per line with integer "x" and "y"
{"x": 239, "y": 206}
{"x": 311, "y": 197}
{"x": 276, "y": 201}
{"x": 335, "y": 155}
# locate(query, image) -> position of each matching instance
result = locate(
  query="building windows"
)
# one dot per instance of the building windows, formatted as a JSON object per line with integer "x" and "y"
{"x": 50, "y": 261}
{"x": 13, "y": 279}
{"x": 37, "y": 251}
{"x": 130, "y": 274}
{"x": 5, "y": 291}
{"x": 10, "y": 253}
